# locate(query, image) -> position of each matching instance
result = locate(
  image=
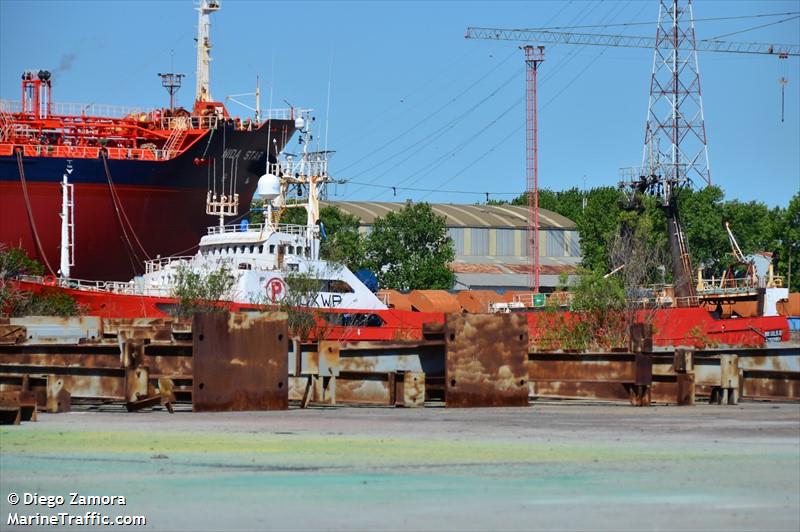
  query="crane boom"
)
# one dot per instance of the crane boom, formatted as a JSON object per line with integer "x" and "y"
{"x": 737, "y": 251}
{"x": 599, "y": 39}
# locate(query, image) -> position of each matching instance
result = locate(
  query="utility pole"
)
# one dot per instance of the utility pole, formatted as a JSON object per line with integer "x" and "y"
{"x": 534, "y": 55}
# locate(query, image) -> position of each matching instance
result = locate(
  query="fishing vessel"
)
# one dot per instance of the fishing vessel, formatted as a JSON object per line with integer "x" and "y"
{"x": 131, "y": 184}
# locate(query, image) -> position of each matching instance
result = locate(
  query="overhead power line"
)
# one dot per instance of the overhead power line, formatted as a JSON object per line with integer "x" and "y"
{"x": 429, "y": 116}
{"x": 653, "y": 23}
{"x": 414, "y": 189}
{"x": 754, "y": 28}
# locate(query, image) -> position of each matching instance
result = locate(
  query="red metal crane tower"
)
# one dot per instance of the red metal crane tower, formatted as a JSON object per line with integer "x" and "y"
{"x": 534, "y": 55}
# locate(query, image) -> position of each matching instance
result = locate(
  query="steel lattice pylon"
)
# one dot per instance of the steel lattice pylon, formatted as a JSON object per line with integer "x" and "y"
{"x": 675, "y": 144}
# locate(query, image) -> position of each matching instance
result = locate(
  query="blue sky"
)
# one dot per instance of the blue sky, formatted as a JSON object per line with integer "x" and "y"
{"x": 414, "y": 104}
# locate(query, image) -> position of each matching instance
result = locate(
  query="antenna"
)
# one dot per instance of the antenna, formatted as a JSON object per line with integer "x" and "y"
{"x": 257, "y": 94}
{"x": 328, "y": 103}
{"x": 172, "y": 82}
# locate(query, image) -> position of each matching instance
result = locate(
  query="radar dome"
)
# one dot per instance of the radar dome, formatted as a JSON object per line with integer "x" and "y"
{"x": 299, "y": 123}
{"x": 269, "y": 187}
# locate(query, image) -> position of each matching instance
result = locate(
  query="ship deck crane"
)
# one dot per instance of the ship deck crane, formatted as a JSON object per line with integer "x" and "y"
{"x": 736, "y": 250}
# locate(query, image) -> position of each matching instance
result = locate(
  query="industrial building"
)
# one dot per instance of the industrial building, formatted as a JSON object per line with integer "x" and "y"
{"x": 490, "y": 242}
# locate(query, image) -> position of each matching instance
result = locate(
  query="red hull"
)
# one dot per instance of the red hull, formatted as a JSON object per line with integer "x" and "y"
{"x": 693, "y": 328}
{"x": 101, "y": 250}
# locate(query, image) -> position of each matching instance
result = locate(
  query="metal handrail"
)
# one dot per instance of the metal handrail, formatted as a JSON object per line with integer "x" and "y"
{"x": 292, "y": 229}
{"x": 737, "y": 284}
{"x": 188, "y": 122}
{"x": 78, "y": 109}
{"x": 282, "y": 114}
{"x": 117, "y": 287}
{"x": 87, "y": 152}
{"x": 158, "y": 264}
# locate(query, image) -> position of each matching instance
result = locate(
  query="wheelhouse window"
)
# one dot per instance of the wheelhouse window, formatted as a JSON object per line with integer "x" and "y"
{"x": 335, "y": 286}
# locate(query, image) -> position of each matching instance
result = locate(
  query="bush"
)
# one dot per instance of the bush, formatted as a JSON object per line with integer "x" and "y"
{"x": 202, "y": 292}
{"x": 50, "y": 301}
{"x": 14, "y": 262}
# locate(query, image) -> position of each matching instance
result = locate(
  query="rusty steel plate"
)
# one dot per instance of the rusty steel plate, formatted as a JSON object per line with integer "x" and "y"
{"x": 486, "y": 360}
{"x": 240, "y": 362}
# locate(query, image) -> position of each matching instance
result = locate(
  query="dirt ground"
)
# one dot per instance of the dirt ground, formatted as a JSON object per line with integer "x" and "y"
{"x": 551, "y": 466}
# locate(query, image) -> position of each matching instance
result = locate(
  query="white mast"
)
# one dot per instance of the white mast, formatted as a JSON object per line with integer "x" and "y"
{"x": 67, "y": 224}
{"x": 202, "y": 93}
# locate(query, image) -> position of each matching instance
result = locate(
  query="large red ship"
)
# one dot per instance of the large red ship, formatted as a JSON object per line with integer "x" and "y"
{"x": 130, "y": 184}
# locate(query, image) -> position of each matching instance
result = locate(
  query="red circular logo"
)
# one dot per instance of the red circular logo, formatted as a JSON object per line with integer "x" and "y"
{"x": 276, "y": 290}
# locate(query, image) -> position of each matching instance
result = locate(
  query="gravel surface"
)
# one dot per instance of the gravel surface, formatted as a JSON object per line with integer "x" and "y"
{"x": 551, "y": 466}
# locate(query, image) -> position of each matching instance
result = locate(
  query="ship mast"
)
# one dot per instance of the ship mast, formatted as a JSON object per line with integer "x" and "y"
{"x": 301, "y": 183}
{"x": 202, "y": 93}
{"x": 67, "y": 224}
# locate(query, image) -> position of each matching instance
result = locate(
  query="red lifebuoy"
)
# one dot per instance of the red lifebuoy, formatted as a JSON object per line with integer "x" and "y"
{"x": 49, "y": 280}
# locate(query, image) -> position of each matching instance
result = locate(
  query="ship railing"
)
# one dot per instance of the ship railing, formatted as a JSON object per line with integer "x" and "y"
{"x": 117, "y": 287}
{"x": 161, "y": 263}
{"x": 6, "y": 124}
{"x": 282, "y": 114}
{"x": 727, "y": 285}
{"x": 292, "y": 229}
{"x": 78, "y": 109}
{"x": 87, "y": 152}
{"x": 304, "y": 165}
{"x": 188, "y": 122}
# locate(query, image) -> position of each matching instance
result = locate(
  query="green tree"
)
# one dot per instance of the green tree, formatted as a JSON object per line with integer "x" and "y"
{"x": 49, "y": 301}
{"x": 410, "y": 249}
{"x": 597, "y": 225}
{"x": 305, "y": 320}
{"x": 567, "y": 203}
{"x": 15, "y": 261}
{"x": 754, "y": 225}
{"x": 702, "y": 219}
{"x": 202, "y": 292}
{"x": 789, "y": 248}
{"x": 640, "y": 244}
{"x": 343, "y": 243}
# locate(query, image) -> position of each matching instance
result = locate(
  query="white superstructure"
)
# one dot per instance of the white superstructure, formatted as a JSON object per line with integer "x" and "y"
{"x": 260, "y": 257}
{"x": 264, "y": 258}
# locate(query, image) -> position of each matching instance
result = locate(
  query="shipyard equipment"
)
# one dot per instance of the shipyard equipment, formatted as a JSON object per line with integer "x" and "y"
{"x": 675, "y": 146}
